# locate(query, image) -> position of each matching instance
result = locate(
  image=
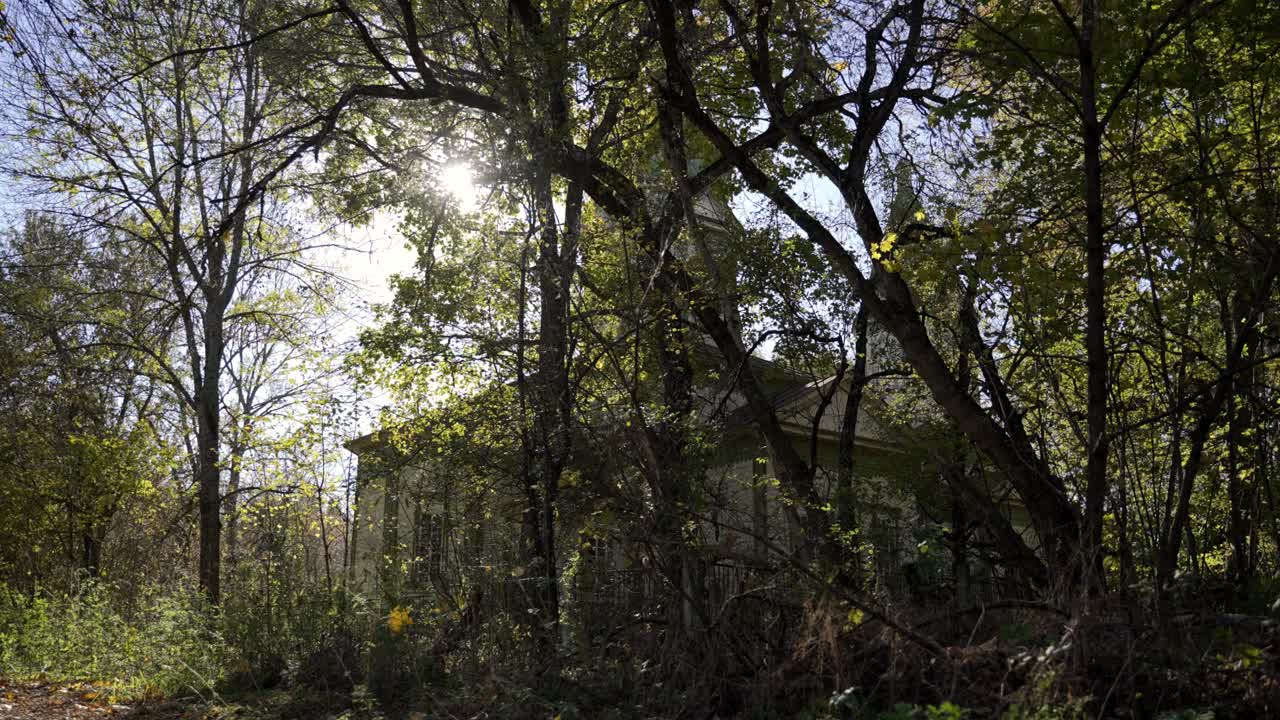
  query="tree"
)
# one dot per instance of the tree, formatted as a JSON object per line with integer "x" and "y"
{"x": 157, "y": 122}
{"x": 80, "y": 443}
{"x": 1162, "y": 256}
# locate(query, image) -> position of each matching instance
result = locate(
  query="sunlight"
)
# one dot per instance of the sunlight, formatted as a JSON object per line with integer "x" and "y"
{"x": 458, "y": 181}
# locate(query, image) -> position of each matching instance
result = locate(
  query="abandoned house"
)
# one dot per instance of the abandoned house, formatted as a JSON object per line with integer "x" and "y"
{"x": 435, "y": 519}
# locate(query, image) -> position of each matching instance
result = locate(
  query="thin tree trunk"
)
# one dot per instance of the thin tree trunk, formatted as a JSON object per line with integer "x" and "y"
{"x": 960, "y": 545}
{"x": 1237, "y": 533}
{"x": 233, "y": 508}
{"x": 92, "y": 548}
{"x": 1123, "y": 540}
{"x": 845, "y": 506}
{"x": 1243, "y": 336}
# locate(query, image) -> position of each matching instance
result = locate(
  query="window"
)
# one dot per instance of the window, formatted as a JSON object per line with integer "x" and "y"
{"x": 428, "y": 546}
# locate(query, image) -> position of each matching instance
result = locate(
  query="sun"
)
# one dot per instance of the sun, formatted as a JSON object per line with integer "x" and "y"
{"x": 458, "y": 181}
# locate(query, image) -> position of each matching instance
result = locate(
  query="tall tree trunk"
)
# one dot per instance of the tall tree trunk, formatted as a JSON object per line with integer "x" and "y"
{"x": 557, "y": 260}
{"x": 209, "y": 492}
{"x": 1095, "y": 306}
{"x": 531, "y": 459}
{"x": 551, "y": 432}
{"x": 673, "y": 472}
{"x": 208, "y": 468}
{"x": 548, "y": 28}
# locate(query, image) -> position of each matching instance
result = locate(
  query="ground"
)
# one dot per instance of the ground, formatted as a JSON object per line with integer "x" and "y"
{"x": 41, "y": 700}
{"x": 44, "y": 700}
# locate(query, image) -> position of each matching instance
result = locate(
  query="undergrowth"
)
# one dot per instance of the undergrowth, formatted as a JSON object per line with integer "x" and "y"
{"x": 335, "y": 655}
{"x": 173, "y": 643}
{"x": 166, "y": 647}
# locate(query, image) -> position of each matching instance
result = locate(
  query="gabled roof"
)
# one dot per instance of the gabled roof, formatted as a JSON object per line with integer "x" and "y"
{"x": 791, "y": 401}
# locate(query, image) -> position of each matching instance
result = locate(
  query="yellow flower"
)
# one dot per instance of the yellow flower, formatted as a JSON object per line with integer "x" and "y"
{"x": 855, "y": 618}
{"x": 399, "y": 619}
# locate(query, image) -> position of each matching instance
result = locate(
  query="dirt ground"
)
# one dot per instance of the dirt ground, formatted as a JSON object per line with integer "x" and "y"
{"x": 41, "y": 700}
{"x": 47, "y": 700}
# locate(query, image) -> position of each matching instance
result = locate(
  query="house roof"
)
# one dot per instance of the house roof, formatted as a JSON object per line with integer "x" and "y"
{"x": 368, "y": 441}
{"x": 790, "y": 402}
{"x": 791, "y": 392}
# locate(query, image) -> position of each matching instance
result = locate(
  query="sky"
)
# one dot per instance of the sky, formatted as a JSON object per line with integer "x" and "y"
{"x": 367, "y": 256}
{"x": 376, "y": 250}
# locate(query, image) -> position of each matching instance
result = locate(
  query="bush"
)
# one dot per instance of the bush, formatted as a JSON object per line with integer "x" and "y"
{"x": 168, "y": 647}
{"x": 310, "y": 636}
{"x": 171, "y": 642}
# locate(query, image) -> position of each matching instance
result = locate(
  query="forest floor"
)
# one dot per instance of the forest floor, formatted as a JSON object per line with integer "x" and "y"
{"x": 46, "y": 700}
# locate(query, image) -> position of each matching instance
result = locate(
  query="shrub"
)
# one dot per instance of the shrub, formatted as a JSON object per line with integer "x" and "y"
{"x": 169, "y": 647}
